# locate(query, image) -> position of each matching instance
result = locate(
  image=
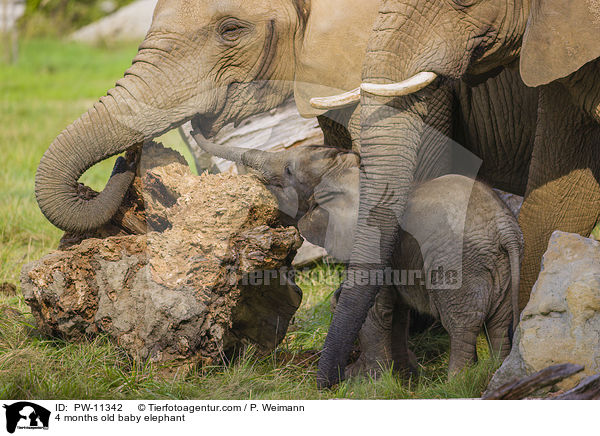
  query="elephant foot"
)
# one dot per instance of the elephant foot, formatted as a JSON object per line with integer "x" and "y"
{"x": 406, "y": 367}
{"x": 367, "y": 368}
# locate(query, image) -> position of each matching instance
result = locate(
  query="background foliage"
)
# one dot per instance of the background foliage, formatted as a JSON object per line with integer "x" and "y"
{"x": 61, "y": 17}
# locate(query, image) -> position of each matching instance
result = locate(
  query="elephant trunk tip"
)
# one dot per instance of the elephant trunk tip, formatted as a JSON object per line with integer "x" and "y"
{"x": 324, "y": 382}
{"x": 60, "y": 200}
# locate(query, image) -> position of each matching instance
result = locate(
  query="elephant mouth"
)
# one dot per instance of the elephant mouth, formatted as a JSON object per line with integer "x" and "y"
{"x": 207, "y": 126}
{"x": 210, "y": 122}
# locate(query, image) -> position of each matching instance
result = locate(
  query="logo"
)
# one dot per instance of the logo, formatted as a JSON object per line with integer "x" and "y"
{"x": 26, "y": 415}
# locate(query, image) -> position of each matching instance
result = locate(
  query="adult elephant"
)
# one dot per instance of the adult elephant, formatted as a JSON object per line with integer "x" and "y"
{"x": 214, "y": 62}
{"x": 417, "y": 51}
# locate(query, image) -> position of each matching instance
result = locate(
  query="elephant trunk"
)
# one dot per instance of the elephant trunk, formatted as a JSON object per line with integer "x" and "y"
{"x": 388, "y": 163}
{"x": 394, "y": 137}
{"x": 92, "y": 138}
{"x": 136, "y": 109}
{"x": 268, "y": 164}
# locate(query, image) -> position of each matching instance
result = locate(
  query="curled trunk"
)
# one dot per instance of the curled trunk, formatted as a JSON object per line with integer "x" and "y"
{"x": 92, "y": 138}
{"x": 129, "y": 114}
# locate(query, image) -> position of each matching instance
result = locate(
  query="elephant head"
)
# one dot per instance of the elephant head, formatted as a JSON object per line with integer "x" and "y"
{"x": 316, "y": 187}
{"x": 213, "y": 62}
{"x": 417, "y": 50}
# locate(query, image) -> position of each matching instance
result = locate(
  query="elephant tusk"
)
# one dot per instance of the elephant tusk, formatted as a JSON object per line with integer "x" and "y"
{"x": 406, "y": 87}
{"x": 339, "y": 101}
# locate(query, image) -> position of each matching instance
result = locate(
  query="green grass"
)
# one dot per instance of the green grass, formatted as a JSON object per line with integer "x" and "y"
{"x": 50, "y": 86}
{"x": 34, "y": 367}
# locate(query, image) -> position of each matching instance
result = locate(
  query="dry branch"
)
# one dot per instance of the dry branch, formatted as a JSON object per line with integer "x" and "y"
{"x": 526, "y": 386}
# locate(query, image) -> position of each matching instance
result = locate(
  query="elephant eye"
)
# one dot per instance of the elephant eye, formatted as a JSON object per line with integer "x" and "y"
{"x": 231, "y": 29}
{"x": 287, "y": 171}
{"x": 465, "y": 3}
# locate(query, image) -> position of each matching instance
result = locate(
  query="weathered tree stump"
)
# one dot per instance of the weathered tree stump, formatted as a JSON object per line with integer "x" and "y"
{"x": 192, "y": 268}
{"x": 275, "y": 130}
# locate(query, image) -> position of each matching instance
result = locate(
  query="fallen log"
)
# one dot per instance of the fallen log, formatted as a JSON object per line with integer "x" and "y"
{"x": 588, "y": 389}
{"x": 524, "y": 387}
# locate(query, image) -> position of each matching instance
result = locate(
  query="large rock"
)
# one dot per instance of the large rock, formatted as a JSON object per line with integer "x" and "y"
{"x": 190, "y": 287}
{"x": 561, "y": 322}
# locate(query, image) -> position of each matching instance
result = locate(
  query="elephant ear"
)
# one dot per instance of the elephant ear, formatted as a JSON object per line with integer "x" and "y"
{"x": 331, "y": 48}
{"x": 561, "y": 36}
{"x": 331, "y": 224}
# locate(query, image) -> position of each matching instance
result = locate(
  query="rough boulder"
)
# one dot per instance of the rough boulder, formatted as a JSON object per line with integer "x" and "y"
{"x": 561, "y": 322}
{"x": 192, "y": 268}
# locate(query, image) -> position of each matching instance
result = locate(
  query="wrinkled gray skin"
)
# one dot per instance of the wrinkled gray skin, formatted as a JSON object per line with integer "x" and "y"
{"x": 476, "y": 285}
{"x": 554, "y": 44}
{"x": 322, "y": 184}
{"x": 214, "y": 62}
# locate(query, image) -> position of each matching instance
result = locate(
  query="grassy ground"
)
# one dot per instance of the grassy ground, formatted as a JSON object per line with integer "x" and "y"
{"x": 52, "y": 84}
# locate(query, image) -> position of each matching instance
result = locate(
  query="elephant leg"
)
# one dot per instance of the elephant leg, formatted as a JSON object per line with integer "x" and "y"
{"x": 498, "y": 329}
{"x": 463, "y": 350}
{"x": 375, "y": 337}
{"x": 405, "y": 361}
{"x": 391, "y": 137}
{"x": 563, "y": 192}
{"x": 462, "y": 313}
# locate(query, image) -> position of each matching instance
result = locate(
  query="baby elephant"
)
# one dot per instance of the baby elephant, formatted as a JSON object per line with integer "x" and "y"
{"x": 458, "y": 257}
{"x": 458, "y": 261}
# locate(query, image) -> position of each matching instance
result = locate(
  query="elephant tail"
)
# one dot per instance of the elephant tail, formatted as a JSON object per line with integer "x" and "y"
{"x": 515, "y": 271}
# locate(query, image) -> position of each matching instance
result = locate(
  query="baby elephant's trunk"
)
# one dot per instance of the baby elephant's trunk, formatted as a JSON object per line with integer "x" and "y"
{"x": 267, "y": 164}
